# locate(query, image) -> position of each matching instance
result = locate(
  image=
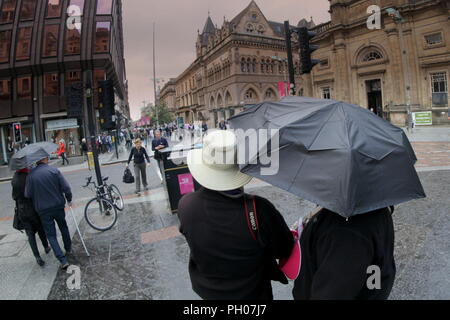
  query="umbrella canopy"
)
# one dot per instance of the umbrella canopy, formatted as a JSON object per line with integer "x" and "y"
{"x": 337, "y": 155}
{"x": 32, "y": 153}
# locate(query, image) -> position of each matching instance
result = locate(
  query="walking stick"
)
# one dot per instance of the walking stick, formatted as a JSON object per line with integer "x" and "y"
{"x": 79, "y": 232}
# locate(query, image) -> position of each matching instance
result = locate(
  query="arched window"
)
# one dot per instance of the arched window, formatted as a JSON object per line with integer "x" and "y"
{"x": 219, "y": 101}
{"x": 270, "y": 95}
{"x": 228, "y": 100}
{"x": 249, "y": 67}
{"x": 263, "y": 66}
{"x": 211, "y": 103}
{"x": 254, "y": 66}
{"x": 372, "y": 56}
{"x": 250, "y": 95}
{"x": 250, "y": 28}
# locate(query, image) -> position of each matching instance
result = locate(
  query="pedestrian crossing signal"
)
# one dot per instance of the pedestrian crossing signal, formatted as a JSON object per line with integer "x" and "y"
{"x": 17, "y": 132}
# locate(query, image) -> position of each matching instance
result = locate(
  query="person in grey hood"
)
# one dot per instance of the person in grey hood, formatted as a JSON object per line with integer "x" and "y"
{"x": 49, "y": 191}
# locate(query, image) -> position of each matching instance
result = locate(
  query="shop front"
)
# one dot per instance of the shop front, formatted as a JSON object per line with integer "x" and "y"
{"x": 66, "y": 130}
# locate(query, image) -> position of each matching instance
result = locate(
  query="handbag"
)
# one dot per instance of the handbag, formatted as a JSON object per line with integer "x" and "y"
{"x": 17, "y": 223}
{"x": 128, "y": 176}
{"x": 274, "y": 272}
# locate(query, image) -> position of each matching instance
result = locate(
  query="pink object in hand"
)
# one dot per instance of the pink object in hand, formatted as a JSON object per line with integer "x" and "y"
{"x": 291, "y": 266}
{"x": 186, "y": 183}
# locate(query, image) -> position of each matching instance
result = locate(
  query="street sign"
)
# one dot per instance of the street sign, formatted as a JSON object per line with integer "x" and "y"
{"x": 423, "y": 118}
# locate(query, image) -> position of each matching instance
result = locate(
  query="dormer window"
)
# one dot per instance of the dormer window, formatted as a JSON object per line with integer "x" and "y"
{"x": 254, "y": 17}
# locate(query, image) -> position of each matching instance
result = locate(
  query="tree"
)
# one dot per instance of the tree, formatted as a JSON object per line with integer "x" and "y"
{"x": 164, "y": 114}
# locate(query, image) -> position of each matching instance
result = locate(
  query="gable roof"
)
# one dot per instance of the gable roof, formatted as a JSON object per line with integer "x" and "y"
{"x": 208, "y": 30}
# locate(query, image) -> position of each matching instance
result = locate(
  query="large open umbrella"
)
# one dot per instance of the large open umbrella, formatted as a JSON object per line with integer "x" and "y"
{"x": 337, "y": 155}
{"x": 32, "y": 153}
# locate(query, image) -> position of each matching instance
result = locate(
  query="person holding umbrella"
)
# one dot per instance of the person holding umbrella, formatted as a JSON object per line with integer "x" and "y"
{"x": 27, "y": 215}
{"x": 234, "y": 238}
{"x": 356, "y": 166}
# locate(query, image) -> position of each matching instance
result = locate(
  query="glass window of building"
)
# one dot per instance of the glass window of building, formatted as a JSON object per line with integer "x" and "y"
{"x": 28, "y": 10}
{"x": 72, "y": 77}
{"x": 8, "y": 10}
{"x": 5, "y": 45}
{"x": 50, "y": 47}
{"x": 24, "y": 43}
{"x": 24, "y": 87}
{"x": 72, "y": 44}
{"x": 326, "y": 93}
{"x": 439, "y": 88}
{"x": 54, "y": 8}
{"x": 51, "y": 85}
{"x": 102, "y": 37}
{"x": 79, "y": 4}
{"x": 104, "y": 6}
{"x": 5, "y": 90}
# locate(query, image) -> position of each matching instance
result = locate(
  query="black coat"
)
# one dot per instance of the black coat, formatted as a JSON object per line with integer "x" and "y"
{"x": 225, "y": 261}
{"x": 26, "y": 213}
{"x": 337, "y": 253}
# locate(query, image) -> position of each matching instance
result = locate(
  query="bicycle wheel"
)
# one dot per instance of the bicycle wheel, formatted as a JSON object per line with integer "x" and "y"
{"x": 116, "y": 197}
{"x": 100, "y": 214}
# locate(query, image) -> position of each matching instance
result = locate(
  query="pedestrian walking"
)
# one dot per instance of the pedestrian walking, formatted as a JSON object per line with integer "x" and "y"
{"x": 337, "y": 254}
{"x": 28, "y": 216}
{"x": 234, "y": 238}
{"x": 159, "y": 143}
{"x": 50, "y": 191}
{"x": 62, "y": 151}
{"x": 139, "y": 154}
{"x": 84, "y": 149}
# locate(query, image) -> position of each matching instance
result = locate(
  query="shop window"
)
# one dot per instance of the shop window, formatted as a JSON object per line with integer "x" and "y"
{"x": 28, "y": 10}
{"x": 51, "y": 85}
{"x": 24, "y": 43}
{"x": 104, "y": 6}
{"x": 5, "y": 45}
{"x": 102, "y": 32}
{"x": 24, "y": 88}
{"x": 8, "y": 10}
{"x": 54, "y": 8}
{"x": 5, "y": 90}
{"x": 72, "y": 41}
{"x": 50, "y": 47}
{"x": 439, "y": 88}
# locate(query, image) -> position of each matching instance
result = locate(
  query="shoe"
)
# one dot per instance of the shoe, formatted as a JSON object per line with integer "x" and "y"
{"x": 40, "y": 262}
{"x": 64, "y": 265}
{"x": 68, "y": 252}
{"x": 47, "y": 250}
{"x": 145, "y": 188}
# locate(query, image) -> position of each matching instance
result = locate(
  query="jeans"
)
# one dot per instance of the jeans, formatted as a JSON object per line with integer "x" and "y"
{"x": 32, "y": 240}
{"x": 63, "y": 156}
{"x": 48, "y": 222}
{"x": 140, "y": 170}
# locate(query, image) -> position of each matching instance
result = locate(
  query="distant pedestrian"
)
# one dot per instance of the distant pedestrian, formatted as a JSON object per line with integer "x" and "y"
{"x": 50, "y": 191}
{"x": 139, "y": 154}
{"x": 62, "y": 151}
{"x": 159, "y": 143}
{"x": 84, "y": 149}
{"x": 28, "y": 216}
{"x": 229, "y": 259}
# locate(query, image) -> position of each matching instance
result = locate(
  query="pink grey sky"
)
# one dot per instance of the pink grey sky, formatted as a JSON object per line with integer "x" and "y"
{"x": 177, "y": 22}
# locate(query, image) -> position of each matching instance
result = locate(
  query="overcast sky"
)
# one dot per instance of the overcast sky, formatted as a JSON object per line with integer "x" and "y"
{"x": 177, "y": 22}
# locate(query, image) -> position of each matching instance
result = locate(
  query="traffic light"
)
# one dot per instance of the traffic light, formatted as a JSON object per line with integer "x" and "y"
{"x": 306, "y": 49}
{"x": 106, "y": 105}
{"x": 74, "y": 100}
{"x": 17, "y": 128}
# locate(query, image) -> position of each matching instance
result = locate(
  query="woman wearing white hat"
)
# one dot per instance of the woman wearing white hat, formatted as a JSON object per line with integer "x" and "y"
{"x": 234, "y": 238}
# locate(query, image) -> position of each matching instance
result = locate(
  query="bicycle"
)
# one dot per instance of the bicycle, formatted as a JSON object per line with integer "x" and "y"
{"x": 101, "y": 211}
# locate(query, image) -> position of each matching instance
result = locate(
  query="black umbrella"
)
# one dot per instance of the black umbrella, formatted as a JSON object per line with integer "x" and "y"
{"x": 337, "y": 155}
{"x": 32, "y": 153}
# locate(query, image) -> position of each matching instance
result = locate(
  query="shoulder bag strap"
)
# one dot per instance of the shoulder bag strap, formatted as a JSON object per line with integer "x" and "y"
{"x": 251, "y": 216}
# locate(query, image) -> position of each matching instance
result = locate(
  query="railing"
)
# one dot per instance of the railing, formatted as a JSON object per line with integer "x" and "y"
{"x": 321, "y": 28}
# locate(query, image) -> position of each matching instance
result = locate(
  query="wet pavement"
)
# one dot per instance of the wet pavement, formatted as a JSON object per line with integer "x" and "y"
{"x": 144, "y": 257}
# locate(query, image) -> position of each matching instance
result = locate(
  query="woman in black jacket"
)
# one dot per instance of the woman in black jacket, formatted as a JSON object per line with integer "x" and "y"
{"x": 27, "y": 215}
{"x": 140, "y": 155}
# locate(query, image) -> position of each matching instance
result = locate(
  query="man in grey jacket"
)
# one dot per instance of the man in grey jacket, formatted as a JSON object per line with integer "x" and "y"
{"x": 49, "y": 191}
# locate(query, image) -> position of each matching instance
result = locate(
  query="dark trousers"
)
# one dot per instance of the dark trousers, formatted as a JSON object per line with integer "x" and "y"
{"x": 140, "y": 170}
{"x": 31, "y": 234}
{"x": 48, "y": 222}
{"x": 64, "y": 158}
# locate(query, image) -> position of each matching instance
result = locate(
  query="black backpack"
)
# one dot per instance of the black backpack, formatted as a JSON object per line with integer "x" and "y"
{"x": 128, "y": 176}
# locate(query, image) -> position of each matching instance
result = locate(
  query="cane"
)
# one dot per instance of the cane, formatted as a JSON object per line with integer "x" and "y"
{"x": 79, "y": 232}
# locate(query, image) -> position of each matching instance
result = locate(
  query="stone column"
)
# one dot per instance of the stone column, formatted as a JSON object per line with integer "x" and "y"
{"x": 395, "y": 67}
{"x": 342, "y": 89}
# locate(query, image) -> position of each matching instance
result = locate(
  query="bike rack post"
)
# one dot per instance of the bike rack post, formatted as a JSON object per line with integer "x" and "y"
{"x": 79, "y": 232}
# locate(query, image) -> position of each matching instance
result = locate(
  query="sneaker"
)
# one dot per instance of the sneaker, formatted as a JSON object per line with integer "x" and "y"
{"x": 64, "y": 265}
{"x": 47, "y": 250}
{"x": 40, "y": 262}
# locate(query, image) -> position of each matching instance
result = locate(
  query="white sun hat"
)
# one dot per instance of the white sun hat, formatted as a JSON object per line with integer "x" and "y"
{"x": 215, "y": 166}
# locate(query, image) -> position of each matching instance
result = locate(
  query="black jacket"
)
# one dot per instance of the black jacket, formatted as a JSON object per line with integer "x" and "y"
{"x": 26, "y": 213}
{"x": 225, "y": 261}
{"x": 139, "y": 155}
{"x": 337, "y": 253}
